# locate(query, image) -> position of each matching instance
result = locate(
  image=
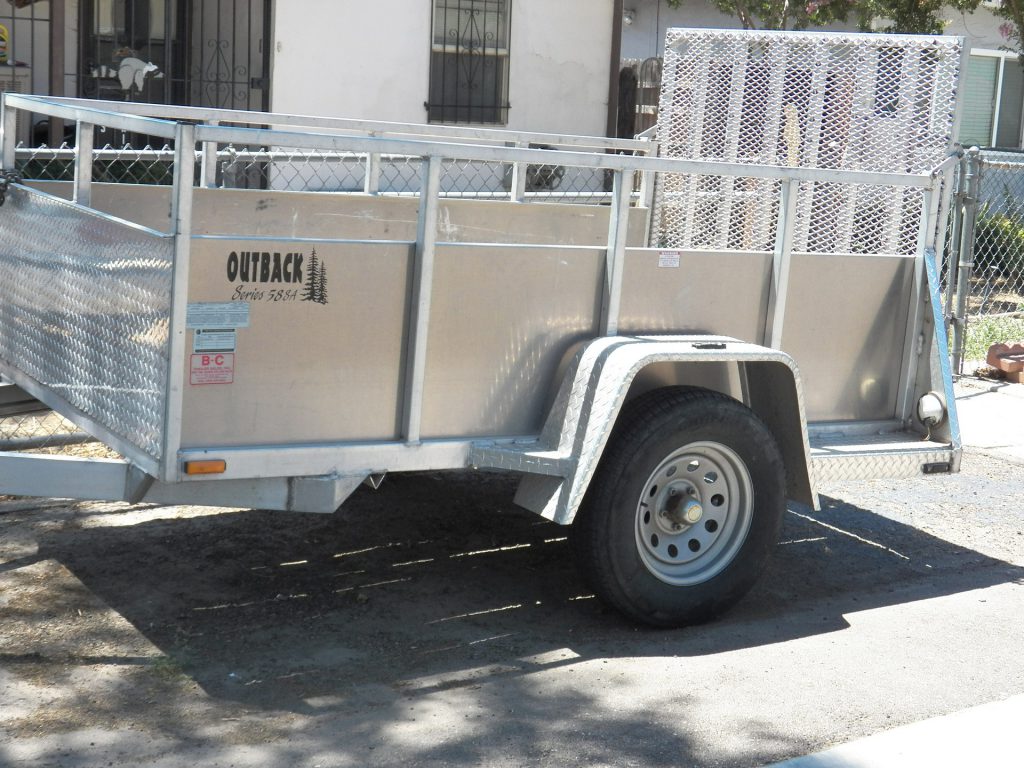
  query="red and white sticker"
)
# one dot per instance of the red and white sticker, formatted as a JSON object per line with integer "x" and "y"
{"x": 213, "y": 368}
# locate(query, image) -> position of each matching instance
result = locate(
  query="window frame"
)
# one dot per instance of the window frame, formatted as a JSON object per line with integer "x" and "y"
{"x": 997, "y": 105}
{"x": 467, "y": 57}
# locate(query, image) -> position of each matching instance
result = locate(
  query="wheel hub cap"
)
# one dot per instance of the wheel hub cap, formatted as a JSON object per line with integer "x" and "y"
{"x": 694, "y": 513}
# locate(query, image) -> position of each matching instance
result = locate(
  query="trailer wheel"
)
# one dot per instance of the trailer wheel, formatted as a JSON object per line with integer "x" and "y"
{"x": 684, "y": 510}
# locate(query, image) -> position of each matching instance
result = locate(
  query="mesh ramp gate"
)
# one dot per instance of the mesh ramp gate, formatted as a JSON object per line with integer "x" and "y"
{"x": 802, "y": 99}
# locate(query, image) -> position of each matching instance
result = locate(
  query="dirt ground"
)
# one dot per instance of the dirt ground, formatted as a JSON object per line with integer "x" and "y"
{"x": 215, "y": 633}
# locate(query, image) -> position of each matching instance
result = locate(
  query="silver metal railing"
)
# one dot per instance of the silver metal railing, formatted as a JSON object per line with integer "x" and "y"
{"x": 285, "y": 167}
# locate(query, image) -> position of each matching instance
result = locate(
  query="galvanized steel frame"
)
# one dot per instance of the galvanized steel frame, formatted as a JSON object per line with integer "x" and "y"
{"x": 412, "y": 453}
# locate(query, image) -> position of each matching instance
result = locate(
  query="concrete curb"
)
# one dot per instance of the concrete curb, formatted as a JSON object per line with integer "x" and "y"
{"x": 988, "y": 735}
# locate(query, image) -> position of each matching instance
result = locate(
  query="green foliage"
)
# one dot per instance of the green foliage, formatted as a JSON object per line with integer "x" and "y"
{"x": 909, "y": 16}
{"x": 897, "y": 16}
{"x": 1013, "y": 12}
{"x": 999, "y": 239}
{"x": 781, "y": 14}
{"x": 983, "y": 332}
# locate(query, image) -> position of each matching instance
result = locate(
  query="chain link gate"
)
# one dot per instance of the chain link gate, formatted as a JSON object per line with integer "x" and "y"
{"x": 988, "y": 301}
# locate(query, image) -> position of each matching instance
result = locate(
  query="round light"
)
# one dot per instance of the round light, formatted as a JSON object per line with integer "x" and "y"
{"x": 930, "y": 409}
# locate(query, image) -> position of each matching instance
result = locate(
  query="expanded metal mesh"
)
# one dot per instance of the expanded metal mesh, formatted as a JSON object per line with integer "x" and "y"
{"x": 812, "y": 100}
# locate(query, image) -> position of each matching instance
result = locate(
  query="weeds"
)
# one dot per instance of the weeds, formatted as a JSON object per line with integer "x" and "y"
{"x": 983, "y": 332}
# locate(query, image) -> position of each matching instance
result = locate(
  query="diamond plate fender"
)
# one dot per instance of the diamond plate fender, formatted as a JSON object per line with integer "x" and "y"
{"x": 594, "y": 390}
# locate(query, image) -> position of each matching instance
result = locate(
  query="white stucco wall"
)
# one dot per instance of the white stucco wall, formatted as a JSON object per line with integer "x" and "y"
{"x": 645, "y": 37}
{"x": 349, "y": 58}
{"x": 370, "y": 60}
{"x": 559, "y": 67}
{"x": 981, "y": 28}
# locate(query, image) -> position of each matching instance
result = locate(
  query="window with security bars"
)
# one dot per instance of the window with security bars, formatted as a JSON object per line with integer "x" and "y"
{"x": 469, "y": 62}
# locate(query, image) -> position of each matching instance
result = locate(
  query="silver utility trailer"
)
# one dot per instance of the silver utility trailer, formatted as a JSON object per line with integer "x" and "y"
{"x": 667, "y": 337}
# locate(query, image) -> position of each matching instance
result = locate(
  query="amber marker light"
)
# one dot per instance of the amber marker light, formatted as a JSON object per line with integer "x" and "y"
{"x": 206, "y": 467}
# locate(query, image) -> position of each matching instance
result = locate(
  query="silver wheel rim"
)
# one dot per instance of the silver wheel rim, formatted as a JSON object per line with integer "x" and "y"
{"x": 694, "y": 513}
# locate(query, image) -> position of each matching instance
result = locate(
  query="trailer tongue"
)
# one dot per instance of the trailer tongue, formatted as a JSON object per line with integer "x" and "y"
{"x": 667, "y": 344}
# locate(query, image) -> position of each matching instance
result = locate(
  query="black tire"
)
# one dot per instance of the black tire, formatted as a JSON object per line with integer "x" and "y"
{"x": 684, "y": 510}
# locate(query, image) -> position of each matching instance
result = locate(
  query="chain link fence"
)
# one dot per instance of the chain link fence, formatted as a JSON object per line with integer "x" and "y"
{"x": 27, "y": 425}
{"x": 291, "y": 169}
{"x": 990, "y": 295}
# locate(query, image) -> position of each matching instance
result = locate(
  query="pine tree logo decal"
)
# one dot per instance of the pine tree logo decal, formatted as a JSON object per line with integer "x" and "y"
{"x": 316, "y": 281}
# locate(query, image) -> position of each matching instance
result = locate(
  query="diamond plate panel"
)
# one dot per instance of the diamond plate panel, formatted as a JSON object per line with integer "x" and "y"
{"x": 84, "y": 308}
{"x": 615, "y": 363}
{"x": 591, "y": 395}
{"x": 854, "y": 101}
{"x": 868, "y": 466}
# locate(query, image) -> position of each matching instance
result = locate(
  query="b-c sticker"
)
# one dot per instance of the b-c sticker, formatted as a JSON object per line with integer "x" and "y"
{"x": 213, "y": 368}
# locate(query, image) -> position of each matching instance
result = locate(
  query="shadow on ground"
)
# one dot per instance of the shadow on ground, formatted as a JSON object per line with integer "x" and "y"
{"x": 437, "y": 581}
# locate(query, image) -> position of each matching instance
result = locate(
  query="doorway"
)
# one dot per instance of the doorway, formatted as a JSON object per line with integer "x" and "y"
{"x": 200, "y": 53}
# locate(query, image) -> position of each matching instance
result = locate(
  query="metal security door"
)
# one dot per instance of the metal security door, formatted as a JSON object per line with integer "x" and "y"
{"x": 229, "y": 62}
{"x": 187, "y": 52}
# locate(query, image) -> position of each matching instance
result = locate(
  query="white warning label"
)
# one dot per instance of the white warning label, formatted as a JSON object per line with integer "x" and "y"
{"x": 217, "y": 314}
{"x": 214, "y": 340}
{"x": 213, "y": 368}
{"x": 668, "y": 259}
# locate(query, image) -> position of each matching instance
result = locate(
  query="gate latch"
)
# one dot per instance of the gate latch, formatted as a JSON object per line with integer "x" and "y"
{"x": 6, "y": 179}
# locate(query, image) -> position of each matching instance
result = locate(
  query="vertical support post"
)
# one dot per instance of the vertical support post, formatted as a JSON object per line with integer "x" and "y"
{"x": 58, "y": 65}
{"x": 646, "y": 201}
{"x": 965, "y": 266}
{"x": 615, "y": 256}
{"x": 945, "y": 200}
{"x": 422, "y": 290}
{"x": 181, "y": 230}
{"x": 83, "y": 163}
{"x": 913, "y": 346}
{"x": 8, "y": 140}
{"x": 779, "y": 291}
{"x": 371, "y": 185}
{"x": 519, "y": 173}
{"x": 647, "y": 180}
{"x": 953, "y": 256}
{"x": 208, "y": 172}
{"x": 614, "y": 65}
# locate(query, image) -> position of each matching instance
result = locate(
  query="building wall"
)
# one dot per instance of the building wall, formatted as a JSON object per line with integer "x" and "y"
{"x": 365, "y": 60}
{"x": 981, "y": 28}
{"x": 645, "y": 36}
{"x": 560, "y": 59}
{"x": 340, "y": 58}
